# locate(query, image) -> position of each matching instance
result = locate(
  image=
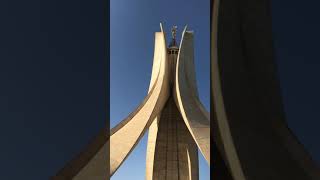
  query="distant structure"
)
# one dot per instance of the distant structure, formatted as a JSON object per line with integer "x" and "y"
{"x": 177, "y": 121}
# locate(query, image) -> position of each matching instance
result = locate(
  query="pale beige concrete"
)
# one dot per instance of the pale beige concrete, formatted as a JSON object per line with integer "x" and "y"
{"x": 125, "y": 136}
{"x": 153, "y": 129}
{"x": 96, "y": 169}
{"x": 133, "y": 127}
{"x": 176, "y": 154}
{"x": 172, "y": 151}
{"x": 194, "y": 114}
{"x": 151, "y": 147}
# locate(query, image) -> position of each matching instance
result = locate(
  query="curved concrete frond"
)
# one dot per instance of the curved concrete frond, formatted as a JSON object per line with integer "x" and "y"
{"x": 133, "y": 127}
{"x": 96, "y": 168}
{"x": 250, "y": 128}
{"x": 153, "y": 129}
{"x": 96, "y": 153}
{"x": 93, "y": 163}
{"x": 151, "y": 147}
{"x": 194, "y": 114}
{"x": 171, "y": 150}
{"x": 222, "y": 133}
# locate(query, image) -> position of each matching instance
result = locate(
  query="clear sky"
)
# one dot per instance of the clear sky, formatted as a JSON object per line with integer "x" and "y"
{"x": 132, "y": 25}
{"x": 296, "y": 38}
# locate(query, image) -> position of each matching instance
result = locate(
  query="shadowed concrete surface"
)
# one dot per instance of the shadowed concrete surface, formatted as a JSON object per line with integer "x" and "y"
{"x": 178, "y": 123}
{"x": 250, "y": 128}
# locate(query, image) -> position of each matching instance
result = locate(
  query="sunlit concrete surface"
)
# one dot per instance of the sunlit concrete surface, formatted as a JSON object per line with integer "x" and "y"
{"x": 178, "y": 123}
{"x": 175, "y": 131}
{"x": 193, "y": 112}
{"x": 126, "y": 135}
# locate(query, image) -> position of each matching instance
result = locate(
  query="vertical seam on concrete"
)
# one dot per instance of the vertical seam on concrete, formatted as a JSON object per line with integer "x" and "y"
{"x": 189, "y": 164}
{"x": 166, "y": 163}
{"x": 177, "y": 139}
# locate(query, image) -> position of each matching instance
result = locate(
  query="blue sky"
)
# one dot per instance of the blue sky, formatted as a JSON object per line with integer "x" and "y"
{"x": 296, "y": 41}
{"x": 132, "y": 28}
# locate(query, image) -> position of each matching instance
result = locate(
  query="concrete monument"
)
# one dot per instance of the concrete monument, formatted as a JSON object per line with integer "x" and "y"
{"x": 177, "y": 121}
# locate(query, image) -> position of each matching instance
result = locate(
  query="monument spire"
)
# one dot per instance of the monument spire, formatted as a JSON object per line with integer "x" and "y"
{"x": 174, "y": 34}
{"x": 176, "y": 121}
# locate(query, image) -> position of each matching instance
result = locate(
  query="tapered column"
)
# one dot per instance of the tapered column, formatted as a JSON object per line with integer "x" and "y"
{"x": 176, "y": 154}
{"x": 185, "y": 94}
{"x": 153, "y": 129}
{"x": 126, "y": 135}
{"x": 172, "y": 153}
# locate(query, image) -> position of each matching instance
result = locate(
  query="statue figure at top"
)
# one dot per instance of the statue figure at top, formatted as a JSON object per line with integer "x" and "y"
{"x": 173, "y": 33}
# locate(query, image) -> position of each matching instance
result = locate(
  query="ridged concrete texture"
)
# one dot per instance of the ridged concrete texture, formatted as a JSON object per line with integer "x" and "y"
{"x": 176, "y": 154}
